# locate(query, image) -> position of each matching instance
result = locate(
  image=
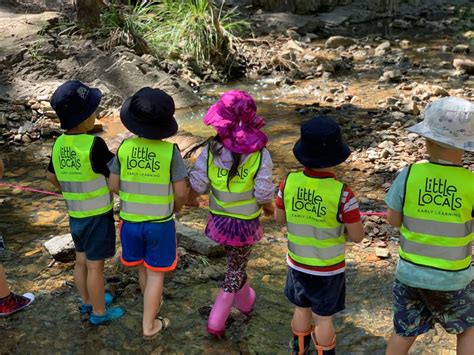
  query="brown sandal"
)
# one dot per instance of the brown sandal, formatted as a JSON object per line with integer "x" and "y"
{"x": 165, "y": 322}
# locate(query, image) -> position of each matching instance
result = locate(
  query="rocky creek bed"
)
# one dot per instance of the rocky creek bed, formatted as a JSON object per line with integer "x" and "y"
{"x": 375, "y": 85}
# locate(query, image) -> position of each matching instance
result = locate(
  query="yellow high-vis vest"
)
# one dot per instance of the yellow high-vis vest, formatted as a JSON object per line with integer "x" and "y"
{"x": 86, "y": 192}
{"x": 437, "y": 216}
{"x": 237, "y": 200}
{"x": 146, "y": 191}
{"x": 315, "y": 234}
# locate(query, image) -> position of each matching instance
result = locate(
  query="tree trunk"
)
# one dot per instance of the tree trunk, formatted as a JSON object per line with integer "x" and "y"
{"x": 88, "y": 12}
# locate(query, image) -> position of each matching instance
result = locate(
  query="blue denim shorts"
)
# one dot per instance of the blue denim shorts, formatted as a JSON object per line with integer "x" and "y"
{"x": 416, "y": 310}
{"x": 151, "y": 244}
{"x": 326, "y": 295}
{"x": 94, "y": 236}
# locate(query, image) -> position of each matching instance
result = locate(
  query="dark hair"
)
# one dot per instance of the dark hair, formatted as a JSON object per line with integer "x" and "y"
{"x": 216, "y": 149}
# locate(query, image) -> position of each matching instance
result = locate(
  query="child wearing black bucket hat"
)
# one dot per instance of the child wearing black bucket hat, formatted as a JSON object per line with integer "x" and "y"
{"x": 149, "y": 175}
{"x": 78, "y": 167}
{"x": 317, "y": 209}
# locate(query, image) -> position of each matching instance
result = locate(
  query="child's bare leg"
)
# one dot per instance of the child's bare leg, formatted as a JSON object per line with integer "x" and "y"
{"x": 4, "y": 289}
{"x": 465, "y": 342}
{"x": 142, "y": 277}
{"x": 151, "y": 301}
{"x": 398, "y": 345}
{"x": 80, "y": 276}
{"x": 301, "y": 321}
{"x": 324, "y": 330}
{"x": 95, "y": 285}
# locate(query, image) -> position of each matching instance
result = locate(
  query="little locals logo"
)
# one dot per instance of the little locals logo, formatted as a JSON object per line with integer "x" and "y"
{"x": 308, "y": 200}
{"x": 144, "y": 159}
{"x": 242, "y": 173}
{"x": 438, "y": 192}
{"x": 68, "y": 158}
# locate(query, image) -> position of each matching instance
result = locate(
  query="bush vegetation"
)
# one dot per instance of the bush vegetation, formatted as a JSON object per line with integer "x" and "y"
{"x": 176, "y": 28}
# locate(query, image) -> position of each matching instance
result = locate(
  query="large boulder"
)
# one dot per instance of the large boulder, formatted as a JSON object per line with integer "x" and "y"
{"x": 194, "y": 240}
{"x": 122, "y": 73}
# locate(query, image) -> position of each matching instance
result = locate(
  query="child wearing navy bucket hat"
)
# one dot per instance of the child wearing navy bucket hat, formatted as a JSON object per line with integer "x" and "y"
{"x": 78, "y": 166}
{"x": 149, "y": 175}
{"x": 317, "y": 209}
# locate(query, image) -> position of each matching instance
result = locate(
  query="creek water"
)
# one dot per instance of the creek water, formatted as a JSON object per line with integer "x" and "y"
{"x": 53, "y": 325}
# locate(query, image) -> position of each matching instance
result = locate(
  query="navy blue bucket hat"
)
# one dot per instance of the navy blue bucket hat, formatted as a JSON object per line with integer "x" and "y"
{"x": 74, "y": 102}
{"x": 149, "y": 113}
{"x": 321, "y": 144}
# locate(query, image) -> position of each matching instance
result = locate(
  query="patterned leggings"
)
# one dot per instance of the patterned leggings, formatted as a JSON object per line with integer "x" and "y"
{"x": 235, "y": 275}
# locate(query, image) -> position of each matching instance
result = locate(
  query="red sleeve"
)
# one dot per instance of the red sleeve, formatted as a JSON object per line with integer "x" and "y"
{"x": 279, "y": 199}
{"x": 349, "y": 208}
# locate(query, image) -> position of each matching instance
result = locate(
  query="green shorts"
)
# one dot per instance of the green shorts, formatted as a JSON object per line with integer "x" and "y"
{"x": 416, "y": 310}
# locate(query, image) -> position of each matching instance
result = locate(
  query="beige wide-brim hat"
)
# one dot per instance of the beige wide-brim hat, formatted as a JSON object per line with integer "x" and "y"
{"x": 449, "y": 121}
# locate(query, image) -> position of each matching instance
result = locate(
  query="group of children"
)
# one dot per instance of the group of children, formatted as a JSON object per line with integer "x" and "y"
{"x": 432, "y": 203}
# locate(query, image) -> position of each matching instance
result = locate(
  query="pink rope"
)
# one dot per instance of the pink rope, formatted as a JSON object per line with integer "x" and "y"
{"x": 30, "y": 189}
{"x": 382, "y": 214}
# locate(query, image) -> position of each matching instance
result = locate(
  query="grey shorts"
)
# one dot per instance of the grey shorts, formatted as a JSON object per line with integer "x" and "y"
{"x": 416, "y": 310}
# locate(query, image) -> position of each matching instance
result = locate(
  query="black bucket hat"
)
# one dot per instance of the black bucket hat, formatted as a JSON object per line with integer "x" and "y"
{"x": 321, "y": 144}
{"x": 149, "y": 113}
{"x": 74, "y": 102}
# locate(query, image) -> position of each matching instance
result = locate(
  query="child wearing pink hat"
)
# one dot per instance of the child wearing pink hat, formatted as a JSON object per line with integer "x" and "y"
{"x": 236, "y": 170}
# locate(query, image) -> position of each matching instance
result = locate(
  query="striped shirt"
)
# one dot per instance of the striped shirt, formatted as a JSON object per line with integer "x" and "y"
{"x": 348, "y": 213}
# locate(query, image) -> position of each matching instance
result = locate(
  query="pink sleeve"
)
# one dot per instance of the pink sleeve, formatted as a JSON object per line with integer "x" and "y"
{"x": 264, "y": 187}
{"x": 198, "y": 175}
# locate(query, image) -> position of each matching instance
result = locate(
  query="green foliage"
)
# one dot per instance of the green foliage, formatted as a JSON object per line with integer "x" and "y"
{"x": 176, "y": 28}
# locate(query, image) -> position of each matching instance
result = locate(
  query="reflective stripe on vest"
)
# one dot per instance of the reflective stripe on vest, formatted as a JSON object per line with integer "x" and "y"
{"x": 437, "y": 222}
{"x": 238, "y": 200}
{"x": 315, "y": 236}
{"x": 86, "y": 193}
{"x": 146, "y": 192}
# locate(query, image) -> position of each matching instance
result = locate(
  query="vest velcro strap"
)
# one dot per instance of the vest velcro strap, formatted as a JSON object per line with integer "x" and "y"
{"x": 83, "y": 187}
{"x": 140, "y": 188}
{"x": 90, "y": 204}
{"x": 445, "y": 229}
{"x": 246, "y": 209}
{"x": 433, "y": 251}
{"x": 225, "y": 196}
{"x": 308, "y": 251}
{"x": 305, "y": 230}
{"x": 145, "y": 209}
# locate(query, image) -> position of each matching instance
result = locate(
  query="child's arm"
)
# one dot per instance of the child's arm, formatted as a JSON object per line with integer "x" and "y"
{"x": 192, "y": 198}
{"x": 355, "y": 231}
{"x": 114, "y": 183}
{"x": 395, "y": 218}
{"x": 53, "y": 179}
{"x": 180, "y": 192}
{"x": 280, "y": 216}
{"x": 268, "y": 209}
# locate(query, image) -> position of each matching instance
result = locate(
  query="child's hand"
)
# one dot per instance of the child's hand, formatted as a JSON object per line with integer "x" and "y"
{"x": 268, "y": 209}
{"x": 192, "y": 201}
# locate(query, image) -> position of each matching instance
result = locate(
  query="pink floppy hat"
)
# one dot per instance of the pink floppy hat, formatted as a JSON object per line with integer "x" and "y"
{"x": 234, "y": 118}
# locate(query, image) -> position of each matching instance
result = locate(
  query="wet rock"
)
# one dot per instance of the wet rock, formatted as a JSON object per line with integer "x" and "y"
{"x": 194, "y": 240}
{"x": 382, "y": 49}
{"x": 61, "y": 248}
{"x": 382, "y": 253}
{"x": 461, "y": 48}
{"x": 399, "y": 23}
{"x": 391, "y": 76}
{"x": 339, "y": 41}
{"x": 424, "y": 92}
{"x": 466, "y": 65}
